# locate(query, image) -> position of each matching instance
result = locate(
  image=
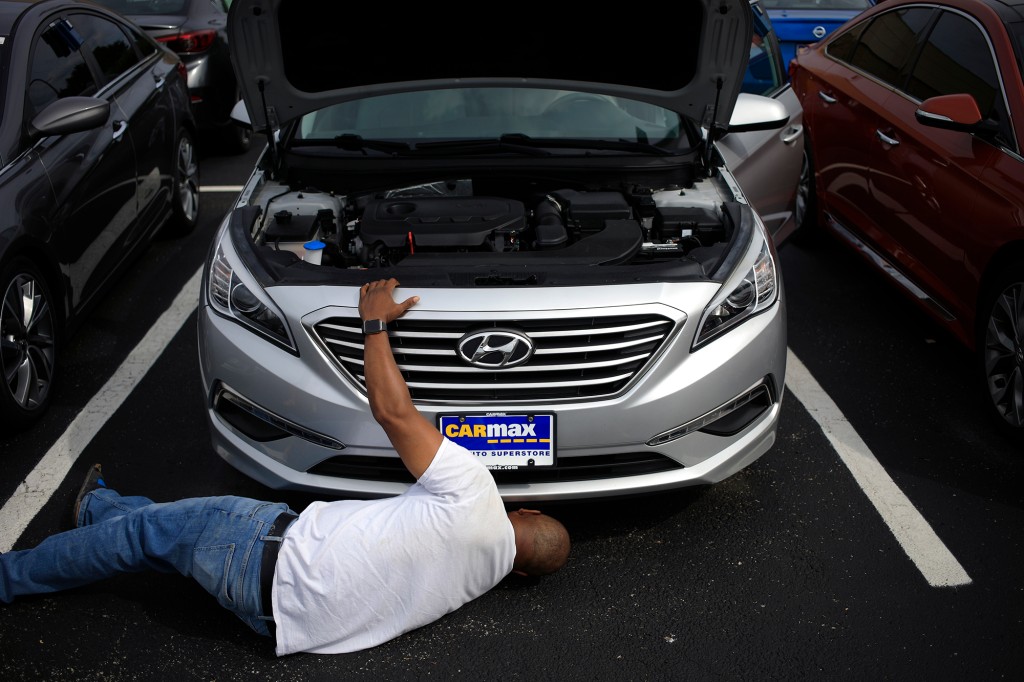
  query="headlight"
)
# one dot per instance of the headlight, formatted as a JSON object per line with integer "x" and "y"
{"x": 751, "y": 288}
{"x": 235, "y": 294}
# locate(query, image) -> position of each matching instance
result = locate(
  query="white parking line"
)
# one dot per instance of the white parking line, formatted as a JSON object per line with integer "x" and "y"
{"x": 234, "y": 189}
{"x": 938, "y": 565}
{"x": 40, "y": 485}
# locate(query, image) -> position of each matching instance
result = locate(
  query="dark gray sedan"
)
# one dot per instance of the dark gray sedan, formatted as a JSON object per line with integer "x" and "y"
{"x": 96, "y": 154}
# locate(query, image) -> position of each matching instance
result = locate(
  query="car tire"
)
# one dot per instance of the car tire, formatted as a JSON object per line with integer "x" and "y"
{"x": 29, "y": 335}
{"x": 185, "y": 191}
{"x": 1000, "y": 349}
{"x": 806, "y": 211}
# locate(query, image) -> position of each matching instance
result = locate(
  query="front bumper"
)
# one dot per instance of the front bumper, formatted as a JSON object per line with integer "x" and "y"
{"x": 307, "y": 394}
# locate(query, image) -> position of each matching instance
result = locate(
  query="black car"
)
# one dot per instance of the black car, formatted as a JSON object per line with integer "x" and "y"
{"x": 97, "y": 153}
{"x": 195, "y": 30}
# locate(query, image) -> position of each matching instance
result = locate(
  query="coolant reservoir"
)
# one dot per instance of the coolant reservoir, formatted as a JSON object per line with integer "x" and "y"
{"x": 296, "y": 218}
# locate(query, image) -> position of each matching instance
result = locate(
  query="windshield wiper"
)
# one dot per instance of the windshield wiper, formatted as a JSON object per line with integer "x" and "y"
{"x": 603, "y": 145}
{"x": 508, "y": 143}
{"x": 518, "y": 142}
{"x": 356, "y": 143}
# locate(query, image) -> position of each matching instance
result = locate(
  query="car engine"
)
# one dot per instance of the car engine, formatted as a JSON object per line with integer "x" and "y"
{"x": 448, "y": 222}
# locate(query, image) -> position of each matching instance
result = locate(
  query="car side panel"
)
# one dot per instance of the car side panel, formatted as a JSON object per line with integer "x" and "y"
{"x": 765, "y": 164}
{"x": 844, "y": 111}
{"x": 919, "y": 188}
{"x": 148, "y": 106}
{"x": 25, "y": 180}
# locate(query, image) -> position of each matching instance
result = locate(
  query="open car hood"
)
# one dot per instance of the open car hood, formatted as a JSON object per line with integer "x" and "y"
{"x": 293, "y": 57}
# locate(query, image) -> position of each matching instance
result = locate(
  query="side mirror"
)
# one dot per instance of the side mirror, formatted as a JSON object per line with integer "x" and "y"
{"x": 952, "y": 112}
{"x": 240, "y": 115}
{"x": 755, "y": 112}
{"x": 69, "y": 115}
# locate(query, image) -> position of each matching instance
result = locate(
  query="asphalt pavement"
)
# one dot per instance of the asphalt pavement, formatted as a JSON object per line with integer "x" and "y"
{"x": 785, "y": 571}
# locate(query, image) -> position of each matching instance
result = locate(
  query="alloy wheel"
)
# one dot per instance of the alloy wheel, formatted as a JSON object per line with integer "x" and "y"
{"x": 803, "y": 193}
{"x": 1004, "y": 354}
{"x": 188, "y": 180}
{"x": 27, "y": 348}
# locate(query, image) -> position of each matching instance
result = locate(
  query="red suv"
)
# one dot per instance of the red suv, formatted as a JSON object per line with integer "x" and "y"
{"x": 915, "y": 119}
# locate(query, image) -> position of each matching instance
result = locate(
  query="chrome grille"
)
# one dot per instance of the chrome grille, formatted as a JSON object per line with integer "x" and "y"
{"x": 574, "y": 357}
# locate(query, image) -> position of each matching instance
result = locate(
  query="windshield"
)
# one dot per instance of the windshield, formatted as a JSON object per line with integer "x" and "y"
{"x": 490, "y": 113}
{"x": 818, "y": 4}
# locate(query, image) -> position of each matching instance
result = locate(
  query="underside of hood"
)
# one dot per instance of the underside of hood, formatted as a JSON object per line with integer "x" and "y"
{"x": 293, "y": 57}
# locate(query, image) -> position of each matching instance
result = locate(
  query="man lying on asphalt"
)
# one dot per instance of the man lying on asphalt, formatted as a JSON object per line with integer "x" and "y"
{"x": 339, "y": 577}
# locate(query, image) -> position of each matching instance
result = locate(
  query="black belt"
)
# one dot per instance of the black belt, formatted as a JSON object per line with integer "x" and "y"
{"x": 269, "y": 561}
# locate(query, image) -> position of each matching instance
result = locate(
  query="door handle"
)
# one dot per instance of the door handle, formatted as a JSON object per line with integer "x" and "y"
{"x": 160, "y": 80}
{"x": 119, "y": 128}
{"x": 886, "y": 139}
{"x": 827, "y": 99}
{"x": 792, "y": 135}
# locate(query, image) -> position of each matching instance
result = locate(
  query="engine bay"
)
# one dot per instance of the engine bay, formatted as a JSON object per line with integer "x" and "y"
{"x": 455, "y": 222}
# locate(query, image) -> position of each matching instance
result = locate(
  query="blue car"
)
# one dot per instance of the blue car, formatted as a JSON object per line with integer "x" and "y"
{"x": 802, "y": 22}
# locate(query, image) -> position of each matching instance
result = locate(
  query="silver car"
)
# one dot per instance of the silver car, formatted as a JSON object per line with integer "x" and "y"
{"x": 601, "y": 310}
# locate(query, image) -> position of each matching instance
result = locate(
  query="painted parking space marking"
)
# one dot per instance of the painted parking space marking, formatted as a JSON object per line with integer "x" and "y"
{"x": 45, "y": 479}
{"x": 234, "y": 189}
{"x": 938, "y": 565}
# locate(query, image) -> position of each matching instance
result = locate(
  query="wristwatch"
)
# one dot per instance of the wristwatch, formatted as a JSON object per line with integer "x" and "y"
{"x": 374, "y": 326}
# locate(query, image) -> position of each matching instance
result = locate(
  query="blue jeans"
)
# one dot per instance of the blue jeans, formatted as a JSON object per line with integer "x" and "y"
{"x": 216, "y": 540}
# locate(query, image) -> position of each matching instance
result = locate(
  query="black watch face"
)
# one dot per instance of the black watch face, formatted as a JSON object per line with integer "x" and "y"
{"x": 373, "y": 326}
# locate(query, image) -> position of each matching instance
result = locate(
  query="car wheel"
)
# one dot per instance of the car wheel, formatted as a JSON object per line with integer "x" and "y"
{"x": 28, "y": 344}
{"x": 185, "y": 202}
{"x": 806, "y": 210}
{"x": 1000, "y": 349}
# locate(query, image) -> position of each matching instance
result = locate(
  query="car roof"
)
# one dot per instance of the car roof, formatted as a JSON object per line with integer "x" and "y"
{"x": 10, "y": 10}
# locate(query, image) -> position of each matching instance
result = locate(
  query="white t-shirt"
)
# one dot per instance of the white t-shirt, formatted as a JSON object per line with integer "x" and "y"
{"x": 353, "y": 574}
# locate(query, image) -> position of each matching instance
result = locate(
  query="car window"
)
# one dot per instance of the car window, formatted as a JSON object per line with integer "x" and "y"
{"x": 817, "y": 4}
{"x": 888, "y": 43}
{"x": 843, "y": 45}
{"x": 143, "y": 43}
{"x": 147, "y": 7}
{"x": 957, "y": 58}
{"x": 471, "y": 113}
{"x": 108, "y": 44}
{"x": 763, "y": 75}
{"x": 58, "y": 68}
{"x": 1017, "y": 35}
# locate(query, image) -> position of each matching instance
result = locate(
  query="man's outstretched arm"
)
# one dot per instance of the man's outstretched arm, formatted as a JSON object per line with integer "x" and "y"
{"x": 414, "y": 438}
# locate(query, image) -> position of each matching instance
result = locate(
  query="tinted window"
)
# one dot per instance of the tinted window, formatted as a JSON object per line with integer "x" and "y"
{"x": 1017, "y": 33}
{"x": 143, "y": 43}
{"x": 817, "y": 4}
{"x": 888, "y": 43}
{"x": 58, "y": 68}
{"x": 763, "y": 76}
{"x": 147, "y": 7}
{"x": 956, "y": 59}
{"x": 107, "y": 43}
{"x": 842, "y": 46}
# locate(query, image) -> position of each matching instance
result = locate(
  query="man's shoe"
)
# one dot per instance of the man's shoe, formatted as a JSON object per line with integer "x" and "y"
{"x": 93, "y": 480}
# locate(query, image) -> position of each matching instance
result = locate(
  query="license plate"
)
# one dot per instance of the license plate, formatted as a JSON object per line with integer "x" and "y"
{"x": 504, "y": 441}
